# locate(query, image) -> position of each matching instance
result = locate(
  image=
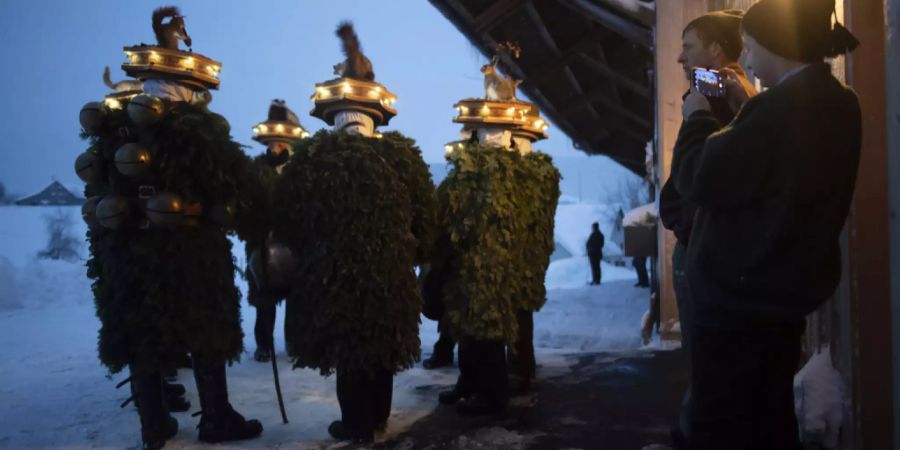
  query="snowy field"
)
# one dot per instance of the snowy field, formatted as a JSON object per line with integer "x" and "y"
{"x": 56, "y": 395}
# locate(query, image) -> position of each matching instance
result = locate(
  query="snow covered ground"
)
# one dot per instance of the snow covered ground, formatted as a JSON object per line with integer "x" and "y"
{"x": 55, "y": 394}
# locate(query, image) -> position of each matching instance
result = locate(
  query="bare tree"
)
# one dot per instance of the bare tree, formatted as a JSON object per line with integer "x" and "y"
{"x": 62, "y": 243}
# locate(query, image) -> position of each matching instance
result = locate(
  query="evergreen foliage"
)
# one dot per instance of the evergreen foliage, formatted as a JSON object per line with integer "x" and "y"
{"x": 354, "y": 210}
{"x": 495, "y": 218}
{"x": 160, "y": 293}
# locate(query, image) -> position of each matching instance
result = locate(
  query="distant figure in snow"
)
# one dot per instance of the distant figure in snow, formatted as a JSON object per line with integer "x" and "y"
{"x": 640, "y": 266}
{"x": 595, "y": 252}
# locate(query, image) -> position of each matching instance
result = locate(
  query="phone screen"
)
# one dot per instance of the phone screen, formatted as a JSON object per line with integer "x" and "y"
{"x": 708, "y": 82}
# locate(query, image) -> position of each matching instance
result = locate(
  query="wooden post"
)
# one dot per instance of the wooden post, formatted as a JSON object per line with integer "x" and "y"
{"x": 671, "y": 17}
{"x": 868, "y": 238}
{"x": 892, "y": 57}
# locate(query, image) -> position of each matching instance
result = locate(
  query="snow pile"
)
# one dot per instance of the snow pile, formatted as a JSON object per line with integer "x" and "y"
{"x": 574, "y": 273}
{"x": 820, "y": 398}
{"x": 641, "y": 216}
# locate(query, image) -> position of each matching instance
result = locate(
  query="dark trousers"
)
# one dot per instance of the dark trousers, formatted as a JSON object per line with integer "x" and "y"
{"x": 682, "y": 298}
{"x": 640, "y": 266}
{"x": 596, "y": 272}
{"x": 365, "y": 398}
{"x": 443, "y": 348}
{"x": 742, "y": 387}
{"x": 482, "y": 370}
{"x": 521, "y": 357}
{"x": 264, "y": 330}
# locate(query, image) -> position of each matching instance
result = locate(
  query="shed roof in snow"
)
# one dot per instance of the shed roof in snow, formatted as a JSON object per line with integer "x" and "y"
{"x": 53, "y": 195}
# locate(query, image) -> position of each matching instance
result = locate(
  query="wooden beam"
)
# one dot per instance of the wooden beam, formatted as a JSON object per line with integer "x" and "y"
{"x": 495, "y": 15}
{"x": 610, "y": 73}
{"x": 599, "y": 96}
{"x": 538, "y": 22}
{"x": 624, "y": 27}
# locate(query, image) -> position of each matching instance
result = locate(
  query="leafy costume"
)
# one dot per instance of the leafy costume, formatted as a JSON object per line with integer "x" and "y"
{"x": 356, "y": 212}
{"x": 495, "y": 213}
{"x": 163, "y": 291}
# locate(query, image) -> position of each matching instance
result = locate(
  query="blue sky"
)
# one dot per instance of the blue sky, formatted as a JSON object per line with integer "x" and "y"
{"x": 54, "y": 53}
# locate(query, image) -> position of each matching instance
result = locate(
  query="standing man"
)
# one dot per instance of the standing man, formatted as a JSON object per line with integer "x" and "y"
{"x": 595, "y": 252}
{"x": 773, "y": 190}
{"x": 268, "y": 261}
{"x": 711, "y": 41}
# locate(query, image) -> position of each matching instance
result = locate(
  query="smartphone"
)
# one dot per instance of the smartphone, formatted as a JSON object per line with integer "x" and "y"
{"x": 708, "y": 82}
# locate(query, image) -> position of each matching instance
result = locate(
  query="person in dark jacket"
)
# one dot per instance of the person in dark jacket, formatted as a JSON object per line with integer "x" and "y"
{"x": 595, "y": 252}
{"x": 773, "y": 190}
{"x": 710, "y": 41}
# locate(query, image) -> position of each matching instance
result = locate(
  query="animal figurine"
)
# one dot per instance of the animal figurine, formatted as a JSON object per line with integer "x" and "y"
{"x": 122, "y": 86}
{"x": 356, "y": 66}
{"x": 496, "y": 87}
{"x": 169, "y": 34}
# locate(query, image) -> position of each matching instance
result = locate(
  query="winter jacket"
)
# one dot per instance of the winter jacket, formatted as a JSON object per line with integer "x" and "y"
{"x": 677, "y": 214}
{"x": 595, "y": 244}
{"x": 773, "y": 190}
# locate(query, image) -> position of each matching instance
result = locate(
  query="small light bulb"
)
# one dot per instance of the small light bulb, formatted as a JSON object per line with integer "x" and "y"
{"x": 448, "y": 149}
{"x": 297, "y": 131}
{"x": 279, "y": 128}
{"x": 346, "y": 88}
{"x": 538, "y": 123}
{"x": 304, "y": 135}
{"x": 263, "y": 129}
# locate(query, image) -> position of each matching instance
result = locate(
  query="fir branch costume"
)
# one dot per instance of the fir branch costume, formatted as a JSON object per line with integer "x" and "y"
{"x": 355, "y": 211}
{"x": 495, "y": 211}
{"x": 161, "y": 292}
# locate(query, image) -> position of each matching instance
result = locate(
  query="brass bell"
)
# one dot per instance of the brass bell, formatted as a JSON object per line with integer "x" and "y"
{"x": 145, "y": 110}
{"x": 165, "y": 209}
{"x": 132, "y": 159}
{"x": 87, "y": 167}
{"x": 92, "y": 116}
{"x": 113, "y": 211}
{"x": 89, "y": 212}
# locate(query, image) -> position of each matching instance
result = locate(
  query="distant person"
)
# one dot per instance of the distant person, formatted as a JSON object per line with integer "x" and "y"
{"x": 640, "y": 266}
{"x": 773, "y": 190}
{"x": 595, "y": 252}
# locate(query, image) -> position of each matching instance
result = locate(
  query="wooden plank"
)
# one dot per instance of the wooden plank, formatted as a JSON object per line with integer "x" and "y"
{"x": 496, "y": 14}
{"x": 622, "y": 26}
{"x": 610, "y": 73}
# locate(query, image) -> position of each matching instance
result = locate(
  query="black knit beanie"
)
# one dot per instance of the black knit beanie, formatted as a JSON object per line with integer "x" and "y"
{"x": 799, "y": 30}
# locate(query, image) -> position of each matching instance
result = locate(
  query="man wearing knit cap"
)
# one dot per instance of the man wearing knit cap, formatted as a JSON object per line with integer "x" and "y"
{"x": 773, "y": 189}
{"x": 711, "y": 41}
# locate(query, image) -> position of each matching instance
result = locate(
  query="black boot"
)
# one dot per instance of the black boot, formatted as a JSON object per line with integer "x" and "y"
{"x": 157, "y": 426}
{"x": 219, "y": 422}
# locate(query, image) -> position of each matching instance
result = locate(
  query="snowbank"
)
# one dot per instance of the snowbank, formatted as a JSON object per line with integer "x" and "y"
{"x": 573, "y": 226}
{"x": 642, "y": 215}
{"x": 575, "y": 272}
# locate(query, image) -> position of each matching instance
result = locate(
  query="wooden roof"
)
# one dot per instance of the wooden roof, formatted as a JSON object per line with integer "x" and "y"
{"x": 588, "y": 64}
